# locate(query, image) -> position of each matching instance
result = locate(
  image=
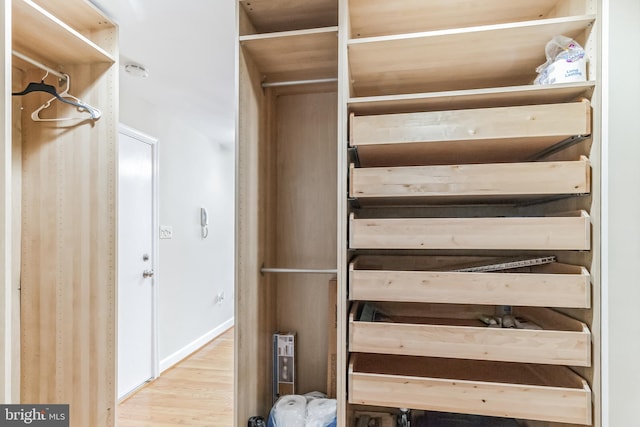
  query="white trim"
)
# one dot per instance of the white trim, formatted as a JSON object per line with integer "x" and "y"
{"x": 195, "y": 345}
{"x": 604, "y": 215}
{"x": 153, "y": 142}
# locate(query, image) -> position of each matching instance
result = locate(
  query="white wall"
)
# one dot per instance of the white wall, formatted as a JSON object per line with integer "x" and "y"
{"x": 195, "y": 172}
{"x": 622, "y": 282}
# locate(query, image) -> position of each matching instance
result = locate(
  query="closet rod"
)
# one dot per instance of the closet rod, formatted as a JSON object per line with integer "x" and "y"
{"x": 299, "y": 270}
{"x": 38, "y": 64}
{"x": 299, "y": 82}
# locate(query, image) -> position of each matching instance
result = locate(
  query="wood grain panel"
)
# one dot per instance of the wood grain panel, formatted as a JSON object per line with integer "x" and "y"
{"x": 61, "y": 43}
{"x": 306, "y": 225}
{"x": 532, "y": 233}
{"x": 380, "y": 17}
{"x": 477, "y": 98}
{"x": 284, "y": 15}
{"x": 568, "y": 286}
{"x": 563, "y": 341}
{"x": 537, "y": 392}
{"x": 502, "y": 55}
{"x": 502, "y": 179}
{"x": 254, "y": 307}
{"x": 69, "y": 253}
{"x": 295, "y": 55}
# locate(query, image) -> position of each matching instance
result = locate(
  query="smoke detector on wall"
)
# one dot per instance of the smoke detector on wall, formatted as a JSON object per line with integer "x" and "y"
{"x": 136, "y": 70}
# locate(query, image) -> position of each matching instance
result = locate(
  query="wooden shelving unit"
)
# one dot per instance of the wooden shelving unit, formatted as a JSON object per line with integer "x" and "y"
{"x": 294, "y": 55}
{"x": 443, "y": 121}
{"x": 432, "y": 279}
{"x": 447, "y": 155}
{"x": 535, "y": 392}
{"x": 266, "y": 16}
{"x": 475, "y": 98}
{"x": 494, "y": 56}
{"x": 62, "y": 45}
{"x": 370, "y": 18}
{"x": 64, "y": 207}
{"x": 455, "y": 332}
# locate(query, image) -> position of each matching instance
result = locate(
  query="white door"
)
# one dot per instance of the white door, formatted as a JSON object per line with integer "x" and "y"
{"x": 136, "y": 260}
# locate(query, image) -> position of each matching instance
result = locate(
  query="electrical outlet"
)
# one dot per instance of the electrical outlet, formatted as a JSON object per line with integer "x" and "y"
{"x": 166, "y": 232}
{"x": 219, "y": 298}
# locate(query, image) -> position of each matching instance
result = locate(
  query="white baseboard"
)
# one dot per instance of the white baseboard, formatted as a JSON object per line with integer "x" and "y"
{"x": 190, "y": 348}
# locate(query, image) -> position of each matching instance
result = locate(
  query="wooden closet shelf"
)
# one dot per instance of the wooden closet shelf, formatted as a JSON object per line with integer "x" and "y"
{"x": 469, "y": 58}
{"x": 468, "y": 182}
{"x": 453, "y": 331}
{"x": 294, "y": 55}
{"x": 431, "y": 279}
{"x": 382, "y": 17}
{"x": 82, "y": 16}
{"x": 526, "y": 233}
{"x": 268, "y": 16}
{"x": 526, "y": 391}
{"x": 484, "y": 135}
{"x": 476, "y": 98}
{"x": 42, "y": 36}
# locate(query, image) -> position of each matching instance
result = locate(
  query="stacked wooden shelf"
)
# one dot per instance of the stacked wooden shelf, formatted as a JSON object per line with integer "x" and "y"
{"x": 456, "y": 331}
{"x": 535, "y": 392}
{"x": 295, "y": 55}
{"x": 430, "y": 279}
{"x": 450, "y": 146}
{"x": 62, "y": 44}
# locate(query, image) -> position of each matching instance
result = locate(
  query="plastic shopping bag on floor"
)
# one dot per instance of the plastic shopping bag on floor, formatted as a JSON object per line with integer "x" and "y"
{"x": 566, "y": 62}
{"x": 311, "y": 410}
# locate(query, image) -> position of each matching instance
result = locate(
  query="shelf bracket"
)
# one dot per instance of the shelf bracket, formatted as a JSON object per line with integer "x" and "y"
{"x": 566, "y": 143}
{"x": 356, "y": 156}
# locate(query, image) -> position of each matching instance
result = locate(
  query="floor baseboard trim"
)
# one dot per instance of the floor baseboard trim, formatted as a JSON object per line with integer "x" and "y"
{"x": 195, "y": 345}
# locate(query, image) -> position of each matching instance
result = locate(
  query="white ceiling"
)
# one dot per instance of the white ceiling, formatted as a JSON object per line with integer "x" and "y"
{"x": 188, "y": 48}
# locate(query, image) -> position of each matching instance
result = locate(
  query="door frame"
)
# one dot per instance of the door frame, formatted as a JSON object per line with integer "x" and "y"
{"x": 155, "y": 280}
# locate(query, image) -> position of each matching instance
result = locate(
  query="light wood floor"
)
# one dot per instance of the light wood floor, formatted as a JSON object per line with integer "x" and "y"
{"x": 196, "y": 392}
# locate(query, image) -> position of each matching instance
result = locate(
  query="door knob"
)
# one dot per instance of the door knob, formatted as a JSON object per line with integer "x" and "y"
{"x": 147, "y": 273}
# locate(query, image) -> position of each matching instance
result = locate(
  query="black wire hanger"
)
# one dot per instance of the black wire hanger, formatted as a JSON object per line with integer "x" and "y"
{"x": 44, "y": 87}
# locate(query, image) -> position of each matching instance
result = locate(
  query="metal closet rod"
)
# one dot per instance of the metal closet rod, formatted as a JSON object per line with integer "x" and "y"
{"x": 299, "y": 82}
{"x": 299, "y": 270}
{"x": 38, "y": 64}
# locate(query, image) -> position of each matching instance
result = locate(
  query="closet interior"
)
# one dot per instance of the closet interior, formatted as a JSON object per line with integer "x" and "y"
{"x": 464, "y": 201}
{"x": 63, "y": 59}
{"x": 287, "y": 202}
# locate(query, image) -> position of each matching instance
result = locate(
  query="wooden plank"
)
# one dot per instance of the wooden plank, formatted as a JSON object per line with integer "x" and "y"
{"x": 379, "y": 17}
{"x": 82, "y": 15}
{"x": 69, "y": 254}
{"x": 505, "y": 179}
{"x": 295, "y": 55}
{"x": 570, "y": 288}
{"x": 537, "y": 392}
{"x": 563, "y": 341}
{"x": 305, "y": 187}
{"x": 255, "y": 294}
{"x": 284, "y": 15}
{"x": 530, "y": 121}
{"x": 54, "y": 42}
{"x": 502, "y": 55}
{"x": 476, "y": 98}
{"x": 332, "y": 339}
{"x": 532, "y": 233}
{"x": 486, "y": 135}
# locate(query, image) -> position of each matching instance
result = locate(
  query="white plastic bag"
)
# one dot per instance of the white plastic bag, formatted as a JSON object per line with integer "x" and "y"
{"x": 566, "y": 62}
{"x": 311, "y": 410}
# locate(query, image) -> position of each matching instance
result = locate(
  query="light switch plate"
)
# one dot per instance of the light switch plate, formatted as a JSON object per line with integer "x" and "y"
{"x": 166, "y": 232}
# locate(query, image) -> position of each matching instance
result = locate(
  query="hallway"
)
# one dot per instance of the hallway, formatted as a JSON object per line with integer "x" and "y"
{"x": 196, "y": 392}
